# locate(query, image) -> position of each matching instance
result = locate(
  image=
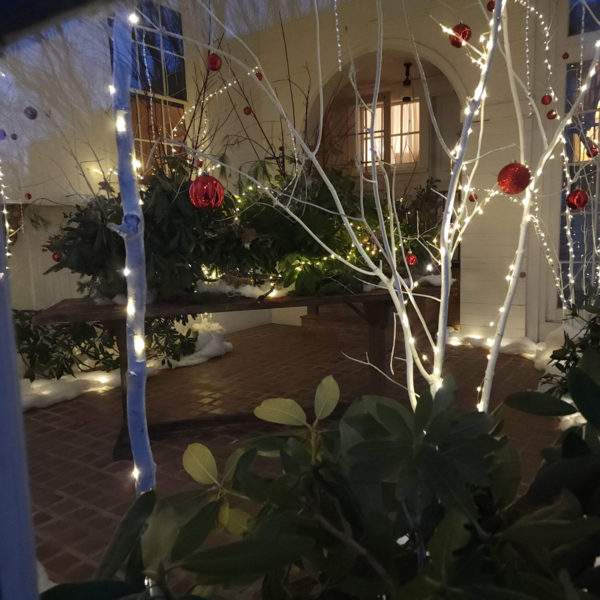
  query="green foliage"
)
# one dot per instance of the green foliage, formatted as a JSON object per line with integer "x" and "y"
{"x": 381, "y": 501}
{"x": 51, "y": 351}
{"x": 246, "y": 238}
{"x": 587, "y": 342}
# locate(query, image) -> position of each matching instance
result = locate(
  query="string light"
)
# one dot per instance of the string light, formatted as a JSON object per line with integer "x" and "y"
{"x": 337, "y": 35}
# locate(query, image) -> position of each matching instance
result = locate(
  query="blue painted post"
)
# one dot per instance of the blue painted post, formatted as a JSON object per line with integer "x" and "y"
{"x": 132, "y": 230}
{"x": 18, "y": 577}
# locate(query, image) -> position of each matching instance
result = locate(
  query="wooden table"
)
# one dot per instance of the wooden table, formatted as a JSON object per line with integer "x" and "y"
{"x": 374, "y": 307}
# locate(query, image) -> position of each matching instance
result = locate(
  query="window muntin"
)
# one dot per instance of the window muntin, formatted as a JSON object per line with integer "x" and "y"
{"x": 584, "y": 19}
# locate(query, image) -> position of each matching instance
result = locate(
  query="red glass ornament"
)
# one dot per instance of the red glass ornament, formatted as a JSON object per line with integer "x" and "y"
{"x": 551, "y": 114}
{"x": 491, "y": 5}
{"x": 577, "y": 199}
{"x": 472, "y": 197}
{"x": 411, "y": 259}
{"x": 28, "y": 196}
{"x": 206, "y": 192}
{"x": 462, "y": 34}
{"x": 213, "y": 62}
{"x": 592, "y": 151}
{"x": 55, "y": 256}
{"x": 258, "y": 75}
{"x": 546, "y": 99}
{"x": 514, "y": 178}
{"x": 565, "y": 55}
{"x": 247, "y": 110}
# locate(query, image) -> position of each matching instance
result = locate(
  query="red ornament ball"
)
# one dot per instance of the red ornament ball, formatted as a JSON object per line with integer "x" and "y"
{"x": 592, "y": 152}
{"x": 411, "y": 259}
{"x": 247, "y": 110}
{"x": 565, "y": 55}
{"x": 206, "y": 192}
{"x": 55, "y": 256}
{"x": 258, "y": 75}
{"x": 514, "y": 178}
{"x": 472, "y": 197}
{"x": 462, "y": 34}
{"x": 28, "y": 196}
{"x": 577, "y": 199}
{"x": 213, "y": 62}
{"x": 551, "y": 114}
{"x": 491, "y": 5}
{"x": 546, "y": 99}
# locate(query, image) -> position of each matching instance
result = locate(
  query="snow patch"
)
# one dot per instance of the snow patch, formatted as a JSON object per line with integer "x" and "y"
{"x": 435, "y": 280}
{"x": 245, "y": 290}
{"x": 40, "y": 393}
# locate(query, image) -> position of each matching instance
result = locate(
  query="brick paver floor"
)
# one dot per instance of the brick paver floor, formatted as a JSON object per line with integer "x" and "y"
{"x": 79, "y": 494}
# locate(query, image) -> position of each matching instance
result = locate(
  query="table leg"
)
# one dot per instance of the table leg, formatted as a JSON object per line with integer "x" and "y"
{"x": 122, "y": 449}
{"x": 377, "y": 315}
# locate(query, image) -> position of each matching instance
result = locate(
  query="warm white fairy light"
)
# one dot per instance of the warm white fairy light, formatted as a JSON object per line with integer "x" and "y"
{"x": 120, "y": 122}
{"x": 135, "y": 473}
{"x": 139, "y": 345}
{"x": 130, "y": 307}
{"x": 133, "y": 18}
{"x": 337, "y": 34}
{"x": 111, "y": 89}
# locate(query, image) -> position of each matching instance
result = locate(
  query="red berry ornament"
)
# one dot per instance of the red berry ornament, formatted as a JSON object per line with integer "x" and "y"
{"x": 472, "y": 197}
{"x": 462, "y": 34}
{"x": 565, "y": 55}
{"x": 258, "y": 75}
{"x": 592, "y": 152}
{"x": 551, "y": 114}
{"x": 577, "y": 199}
{"x": 206, "y": 192}
{"x": 411, "y": 259}
{"x": 55, "y": 256}
{"x": 247, "y": 110}
{"x": 213, "y": 62}
{"x": 491, "y": 5}
{"x": 546, "y": 99}
{"x": 514, "y": 178}
{"x": 28, "y": 196}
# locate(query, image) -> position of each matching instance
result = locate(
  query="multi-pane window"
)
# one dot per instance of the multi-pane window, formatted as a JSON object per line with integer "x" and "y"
{"x": 582, "y": 141}
{"x": 396, "y": 132}
{"x": 157, "y": 80}
{"x": 584, "y": 16}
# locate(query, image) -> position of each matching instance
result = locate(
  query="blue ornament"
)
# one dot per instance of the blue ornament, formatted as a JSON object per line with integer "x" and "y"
{"x": 2, "y": 134}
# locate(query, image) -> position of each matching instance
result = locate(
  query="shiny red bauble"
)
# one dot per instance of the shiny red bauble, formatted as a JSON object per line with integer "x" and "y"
{"x": 551, "y": 114}
{"x": 592, "y": 151}
{"x": 258, "y": 75}
{"x": 213, "y": 62}
{"x": 546, "y": 99}
{"x": 565, "y": 55}
{"x": 491, "y": 5}
{"x": 206, "y": 192}
{"x": 55, "y": 256}
{"x": 462, "y": 34}
{"x": 472, "y": 197}
{"x": 411, "y": 259}
{"x": 577, "y": 199}
{"x": 514, "y": 178}
{"x": 247, "y": 110}
{"x": 28, "y": 196}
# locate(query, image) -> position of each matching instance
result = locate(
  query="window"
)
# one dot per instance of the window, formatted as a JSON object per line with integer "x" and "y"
{"x": 582, "y": 139}
{"x": 158, "y": 79}
{"x": 584, "y": 17}
{"x": 396, "y": 132}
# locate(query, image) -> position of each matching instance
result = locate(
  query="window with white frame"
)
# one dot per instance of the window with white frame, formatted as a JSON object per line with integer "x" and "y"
{"x": 158, "y": 80}
{"x": 396, "y": 132}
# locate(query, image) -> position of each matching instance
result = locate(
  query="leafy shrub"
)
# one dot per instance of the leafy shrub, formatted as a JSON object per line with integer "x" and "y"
{"x": 51, "y": 351}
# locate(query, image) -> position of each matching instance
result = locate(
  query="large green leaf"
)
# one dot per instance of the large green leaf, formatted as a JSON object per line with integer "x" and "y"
{"x": 232, "y": 463}
{"x": 538, "y": 403}
{"x": 551, "y": 533}
{"x": 423, "y": 413}
{"x": 251, "y": 558}
{"x": 590, "y": 364}
{"x": 586, "y": 395}
{"x": 283, "y": 411}
{"x": 450, "y": 535}
{"x": 195, "y": 531}
{"x": 127, "y": 535}
{"x": 327, "y": 397}
{"x": 200, "y": 464}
